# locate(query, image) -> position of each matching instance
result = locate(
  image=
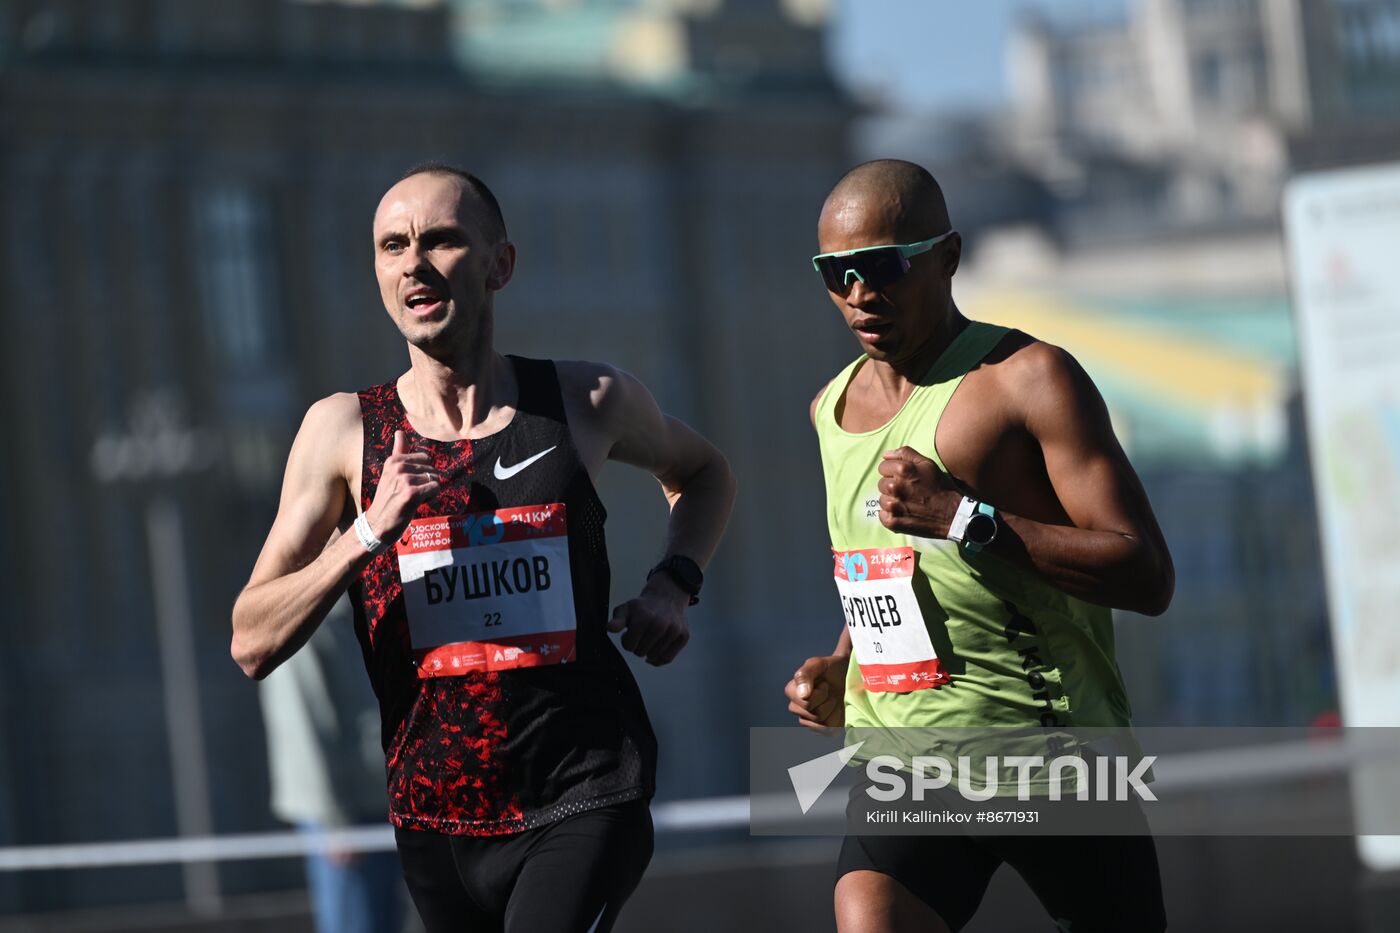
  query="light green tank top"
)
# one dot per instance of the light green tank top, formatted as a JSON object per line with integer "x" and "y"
{"x": 1013, "y": 650}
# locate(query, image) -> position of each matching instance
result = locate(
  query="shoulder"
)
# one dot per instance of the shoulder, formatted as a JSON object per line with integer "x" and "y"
{"x": 331, "y": 432}
{"x": 1022, "y": 362}
{"x": 609, "y": 411}
{"x": 333, "y": 415}
{"x": 600, "y": 388}
{"x": 586, "y": 377}
{"x": 817, "y": 400}
{"x": 1041, "y": 380}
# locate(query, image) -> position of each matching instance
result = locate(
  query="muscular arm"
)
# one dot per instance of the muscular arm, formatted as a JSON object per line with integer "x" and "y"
{"x": 305, "y": 564}
{"x": 694, "y": 476}
{"x": 1112, "y": 553}
{"x": 623, "y": 423}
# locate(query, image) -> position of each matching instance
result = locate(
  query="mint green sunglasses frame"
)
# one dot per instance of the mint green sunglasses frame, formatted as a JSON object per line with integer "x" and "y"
{"x": 906, "y": 251}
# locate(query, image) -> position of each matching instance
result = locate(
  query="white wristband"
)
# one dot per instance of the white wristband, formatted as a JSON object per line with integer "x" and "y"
{"x": 372, "y": 543}
{"x": 960, "y": 517}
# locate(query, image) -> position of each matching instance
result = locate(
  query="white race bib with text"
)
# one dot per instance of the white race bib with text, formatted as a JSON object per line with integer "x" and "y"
{"x": 882, "y": 613}
{"x": 488, "y": 591}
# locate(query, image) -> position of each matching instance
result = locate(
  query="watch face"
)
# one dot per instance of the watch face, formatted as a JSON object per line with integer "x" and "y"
{"x": 685, "y": 572}
{"x": 981, "y": 529}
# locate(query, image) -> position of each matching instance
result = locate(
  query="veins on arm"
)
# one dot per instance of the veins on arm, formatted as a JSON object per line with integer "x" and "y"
{"x": 1114, "y": 553}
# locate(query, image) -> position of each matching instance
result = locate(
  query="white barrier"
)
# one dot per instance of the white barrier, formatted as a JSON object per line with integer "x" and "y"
{"x": 678, "y": 816}
{"x": 1195, "y": 770}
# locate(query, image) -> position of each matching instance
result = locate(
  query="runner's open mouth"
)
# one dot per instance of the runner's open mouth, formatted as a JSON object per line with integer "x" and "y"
{"x": 872, "y": 326}
{"x": 421, "y": 298}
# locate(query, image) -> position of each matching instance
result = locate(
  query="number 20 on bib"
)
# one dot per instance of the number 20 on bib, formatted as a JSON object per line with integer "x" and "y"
{"x": 882, "y": 614}
{"x": 488, "y": 591}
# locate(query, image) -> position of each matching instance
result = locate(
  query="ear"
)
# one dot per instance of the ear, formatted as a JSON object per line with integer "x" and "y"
{"x": 502, "y": 267}
{"x": 952, "y": 255}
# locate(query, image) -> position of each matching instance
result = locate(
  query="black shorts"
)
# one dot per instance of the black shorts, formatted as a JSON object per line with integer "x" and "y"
{"x": 571, "y": 875}
{"x": 1087, "y": 883}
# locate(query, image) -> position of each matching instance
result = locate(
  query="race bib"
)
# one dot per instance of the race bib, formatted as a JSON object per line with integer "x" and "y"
{"x": 488, "y": 591}
{"x": 887, "y": 629}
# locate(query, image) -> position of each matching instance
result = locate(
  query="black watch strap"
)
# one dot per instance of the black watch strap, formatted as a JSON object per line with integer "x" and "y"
{"x": 685, "y": 572}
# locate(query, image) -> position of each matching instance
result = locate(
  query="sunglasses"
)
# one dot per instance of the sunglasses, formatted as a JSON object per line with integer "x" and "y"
{"x": 873, "y": 266}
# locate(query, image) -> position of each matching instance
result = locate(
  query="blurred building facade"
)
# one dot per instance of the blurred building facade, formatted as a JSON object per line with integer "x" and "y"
{"x": 185, "y": 199}
{"x": 1200, "y": 108}
{"x": 1126, "y": 207}
{"x": 1158, "y": 144}
{"x": 1164, "y": 140}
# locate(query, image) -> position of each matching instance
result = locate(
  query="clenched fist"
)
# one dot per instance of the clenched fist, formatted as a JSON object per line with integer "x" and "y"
{"x": 916, "y": 497}
{"x": 408, "y": 479}
{"x": 654, "y": 621}
{"x": 817, "y": 692}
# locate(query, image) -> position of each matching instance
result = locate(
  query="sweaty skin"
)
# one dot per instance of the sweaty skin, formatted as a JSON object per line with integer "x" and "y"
{"x": 1026, "y": 430}
{"x": 439, "y": 261}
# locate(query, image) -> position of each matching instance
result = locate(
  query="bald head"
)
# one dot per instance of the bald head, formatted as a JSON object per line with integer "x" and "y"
{"x": 476, "y": 199}
{"x": 896, "y": 195}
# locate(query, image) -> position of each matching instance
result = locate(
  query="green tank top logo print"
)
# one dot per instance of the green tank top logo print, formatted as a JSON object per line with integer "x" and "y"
{"x": 945, "y": 638}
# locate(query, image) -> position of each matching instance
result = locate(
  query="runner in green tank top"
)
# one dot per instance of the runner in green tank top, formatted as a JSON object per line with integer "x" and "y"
{"x": 984, "y": 520}
{"x": 1005, "y": 634}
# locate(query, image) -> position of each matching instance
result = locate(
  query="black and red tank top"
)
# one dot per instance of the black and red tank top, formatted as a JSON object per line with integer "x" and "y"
{"x": 504, "y": 703}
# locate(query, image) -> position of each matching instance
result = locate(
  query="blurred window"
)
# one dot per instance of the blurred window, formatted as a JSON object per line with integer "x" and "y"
{"x": 1209, "y": 72}
{"x": 1368, "y": 40}
{"x": 1371, "y": 32}
{"x": 233, "y": 232}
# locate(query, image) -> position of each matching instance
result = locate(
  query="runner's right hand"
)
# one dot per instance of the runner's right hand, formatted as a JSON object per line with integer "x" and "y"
{"x": 817, "y": 692}
{"x": 407, "y": 480}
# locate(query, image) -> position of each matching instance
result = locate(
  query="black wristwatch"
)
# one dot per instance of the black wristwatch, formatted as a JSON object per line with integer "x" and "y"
{"x": 685, "y": 572}
{"x": 982, "y": 528}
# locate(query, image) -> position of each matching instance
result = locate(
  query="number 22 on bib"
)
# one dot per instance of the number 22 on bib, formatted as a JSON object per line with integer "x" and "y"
{"x": 882, "y": 613}
{"x": 488, "y": 591}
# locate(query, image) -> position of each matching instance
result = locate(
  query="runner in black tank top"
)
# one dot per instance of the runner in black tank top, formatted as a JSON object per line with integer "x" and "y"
{"x": 490, "y": 752}
{"x": 520, "y": 760}
{"x": 493, "y": 753}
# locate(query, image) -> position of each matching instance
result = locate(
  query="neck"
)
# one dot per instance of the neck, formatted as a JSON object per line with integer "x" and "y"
{"x": 459, "y": 392}
{"x": 901, "y": 374}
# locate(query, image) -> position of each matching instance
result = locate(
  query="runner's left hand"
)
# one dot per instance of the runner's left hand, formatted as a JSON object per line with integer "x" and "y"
{"x": 916, "y": 497}
{"x": 654, "y": 621}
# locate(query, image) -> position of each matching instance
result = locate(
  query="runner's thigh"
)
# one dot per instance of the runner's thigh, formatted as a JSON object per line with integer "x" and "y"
{"x": 1091, "y": 884}
{"x": 436, "y": 887}
{"x": 580, "y": 872}
{"x": 948, "y": 873}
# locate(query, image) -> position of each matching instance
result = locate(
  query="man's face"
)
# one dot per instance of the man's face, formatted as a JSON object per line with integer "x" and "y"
{"x": 436, "y": 267}
{"x": 895, "y": 322}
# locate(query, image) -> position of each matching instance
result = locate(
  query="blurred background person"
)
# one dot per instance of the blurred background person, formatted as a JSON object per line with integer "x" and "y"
{"x": 327, "y": 771}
